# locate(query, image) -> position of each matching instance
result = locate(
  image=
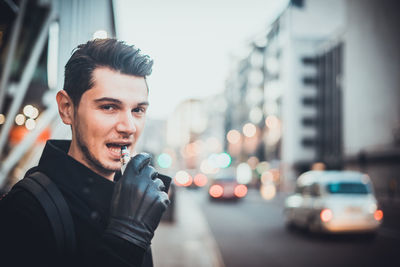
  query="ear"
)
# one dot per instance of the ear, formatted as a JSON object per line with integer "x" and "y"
{"x": 65, "y": 107}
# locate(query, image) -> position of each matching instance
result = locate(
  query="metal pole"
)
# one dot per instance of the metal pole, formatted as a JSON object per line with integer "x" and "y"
{"x": 10, "y": 55}
{"x": 26, "y": 78}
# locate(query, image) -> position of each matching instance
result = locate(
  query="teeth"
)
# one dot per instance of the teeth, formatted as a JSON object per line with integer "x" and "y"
{"x": 115, "y": 149}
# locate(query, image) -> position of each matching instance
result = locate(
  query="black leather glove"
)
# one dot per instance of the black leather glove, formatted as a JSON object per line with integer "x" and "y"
{"x": 138, "y": 203}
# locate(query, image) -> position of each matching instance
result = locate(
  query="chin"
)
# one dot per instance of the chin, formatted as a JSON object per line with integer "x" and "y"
{"x": 112, "y": 166}
{"x": 115, "y": 168}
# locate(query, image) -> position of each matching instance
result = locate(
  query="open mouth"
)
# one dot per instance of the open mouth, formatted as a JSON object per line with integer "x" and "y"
{"x": 115, "y": 148}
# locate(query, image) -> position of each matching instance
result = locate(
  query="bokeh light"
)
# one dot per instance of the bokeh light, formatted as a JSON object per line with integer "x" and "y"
{"x": 221, "y": 160}
{"x": 183, "y": 178}
{"x": 30, "y": 111}
{"x": 233, "y": 136}
{"x": 326, "y": 215}
{"x": 240, "y": 191}
{"x": 224, "y": 160}
{"x": 268, "y": 191}
{"x": 30, "y": 124}
{"x": 164, "y": 160}
{"x": 249, "y": 130}
{"x": 272, "y": 122}
{"x": 378, "y": 215}
{"x": 262, "y": 167}
{"x": 216, "y": 191}
{"x": 20, "y": 119}
{"x": 243, "y": 173}
{"x": 2, "y": 119}
{"x": 200, "y": 180}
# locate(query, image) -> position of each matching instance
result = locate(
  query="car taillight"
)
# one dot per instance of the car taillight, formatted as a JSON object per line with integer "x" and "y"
{"x": 240, "y": 190}
{"x": 216, "y": 191}
{"x": 200, "y": 180}
{"x": 378, "y": 215}
{"x": 326, "y": 215}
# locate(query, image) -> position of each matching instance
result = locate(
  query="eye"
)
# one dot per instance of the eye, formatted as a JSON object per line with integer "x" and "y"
{"x": 139, "y": 110}
{"x": 108, "y": 107}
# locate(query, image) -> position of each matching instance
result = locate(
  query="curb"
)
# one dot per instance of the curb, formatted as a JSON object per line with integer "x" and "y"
{"x": 188, "y": 241}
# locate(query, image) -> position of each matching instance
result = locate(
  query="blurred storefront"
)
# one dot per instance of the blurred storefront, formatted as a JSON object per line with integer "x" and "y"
{"x": 36, "y": 39}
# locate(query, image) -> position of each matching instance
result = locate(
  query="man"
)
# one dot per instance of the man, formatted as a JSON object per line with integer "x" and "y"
{"x": 104, "y": 100}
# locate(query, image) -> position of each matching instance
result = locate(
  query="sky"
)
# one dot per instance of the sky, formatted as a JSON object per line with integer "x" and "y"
{"x": 193, "y": 43}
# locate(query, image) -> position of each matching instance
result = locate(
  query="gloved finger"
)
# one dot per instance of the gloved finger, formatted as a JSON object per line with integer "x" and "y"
{"x": 162, "y": 202}
{"x": 164, "y": 199}
{"x": 161, "y": 206}
{"x": 139, "y": 161}
{"x": 150, "y": 172}
{"x": 159, "y": 184}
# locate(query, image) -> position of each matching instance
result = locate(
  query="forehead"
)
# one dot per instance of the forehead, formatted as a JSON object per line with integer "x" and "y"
{"x": 113, "y": 84}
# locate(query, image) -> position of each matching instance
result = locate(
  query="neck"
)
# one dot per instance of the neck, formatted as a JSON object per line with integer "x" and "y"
{"x": 80, "y": 157}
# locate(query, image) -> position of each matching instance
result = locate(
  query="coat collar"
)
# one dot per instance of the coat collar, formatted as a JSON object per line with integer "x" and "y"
{"x": 74, "y": 178}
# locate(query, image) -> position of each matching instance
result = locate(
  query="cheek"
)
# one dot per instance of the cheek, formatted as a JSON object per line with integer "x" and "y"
{"x": 140, "y": 127}
{"x": 96, "y": 127}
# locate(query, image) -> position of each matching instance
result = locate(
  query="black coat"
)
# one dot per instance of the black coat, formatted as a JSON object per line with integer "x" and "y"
{"x": 26, "y": 237}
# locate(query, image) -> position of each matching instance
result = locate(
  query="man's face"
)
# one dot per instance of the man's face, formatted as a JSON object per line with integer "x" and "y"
{"x": 109, "y": 115}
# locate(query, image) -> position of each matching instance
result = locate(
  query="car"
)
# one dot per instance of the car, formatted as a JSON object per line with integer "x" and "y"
{"x": 226, "y": 187}
{"x": 333, "y": 202}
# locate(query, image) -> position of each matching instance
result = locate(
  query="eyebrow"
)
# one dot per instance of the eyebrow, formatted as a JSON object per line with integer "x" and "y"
{"x": 116, "y": 101}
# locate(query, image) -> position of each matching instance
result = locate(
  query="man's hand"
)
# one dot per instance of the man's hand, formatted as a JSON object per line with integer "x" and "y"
{"x": 138, "y": 203}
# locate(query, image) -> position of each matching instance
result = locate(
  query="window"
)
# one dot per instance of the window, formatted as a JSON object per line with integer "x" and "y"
{"x": 348, "y": 188}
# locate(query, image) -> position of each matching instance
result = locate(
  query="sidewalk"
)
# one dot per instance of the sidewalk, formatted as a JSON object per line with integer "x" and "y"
{"x": 188, "y": 241}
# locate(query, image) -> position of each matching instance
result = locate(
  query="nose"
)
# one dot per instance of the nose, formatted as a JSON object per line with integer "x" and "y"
{"x": 126, "y": 124}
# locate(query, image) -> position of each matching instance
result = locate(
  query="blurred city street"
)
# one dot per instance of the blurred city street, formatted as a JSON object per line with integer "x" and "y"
{"x": 251, "y": 232}
{"x": 265, "y": 113}
{"x": 188, "y": 240}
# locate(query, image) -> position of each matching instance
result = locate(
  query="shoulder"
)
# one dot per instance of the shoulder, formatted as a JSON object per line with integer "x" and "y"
{"x": 25, "y": 229}
{"x": 21, "y": 206}
{"x": 23, "y": 218}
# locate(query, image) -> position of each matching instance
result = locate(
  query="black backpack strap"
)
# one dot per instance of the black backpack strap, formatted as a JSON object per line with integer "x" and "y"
{"x": 56, "y": 208}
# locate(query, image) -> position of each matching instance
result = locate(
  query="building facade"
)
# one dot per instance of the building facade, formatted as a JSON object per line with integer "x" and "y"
{"x": 331, "y": 90}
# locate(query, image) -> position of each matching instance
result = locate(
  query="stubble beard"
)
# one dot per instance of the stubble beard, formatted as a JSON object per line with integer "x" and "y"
{"x": 91, "y": 158}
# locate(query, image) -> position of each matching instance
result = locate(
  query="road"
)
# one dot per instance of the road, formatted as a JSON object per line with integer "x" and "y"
{"x": 251, "y": 233}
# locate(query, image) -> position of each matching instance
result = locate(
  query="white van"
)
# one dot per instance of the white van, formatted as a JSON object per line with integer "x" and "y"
{"x": 333, "y": 201}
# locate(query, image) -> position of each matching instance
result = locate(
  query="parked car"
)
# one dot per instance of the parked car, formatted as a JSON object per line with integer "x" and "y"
{"x": 226, "y": 186}
{"x": 334, "y": 202}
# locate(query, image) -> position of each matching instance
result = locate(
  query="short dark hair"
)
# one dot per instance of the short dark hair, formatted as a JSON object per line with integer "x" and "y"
{"x": 110, "y": 53}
